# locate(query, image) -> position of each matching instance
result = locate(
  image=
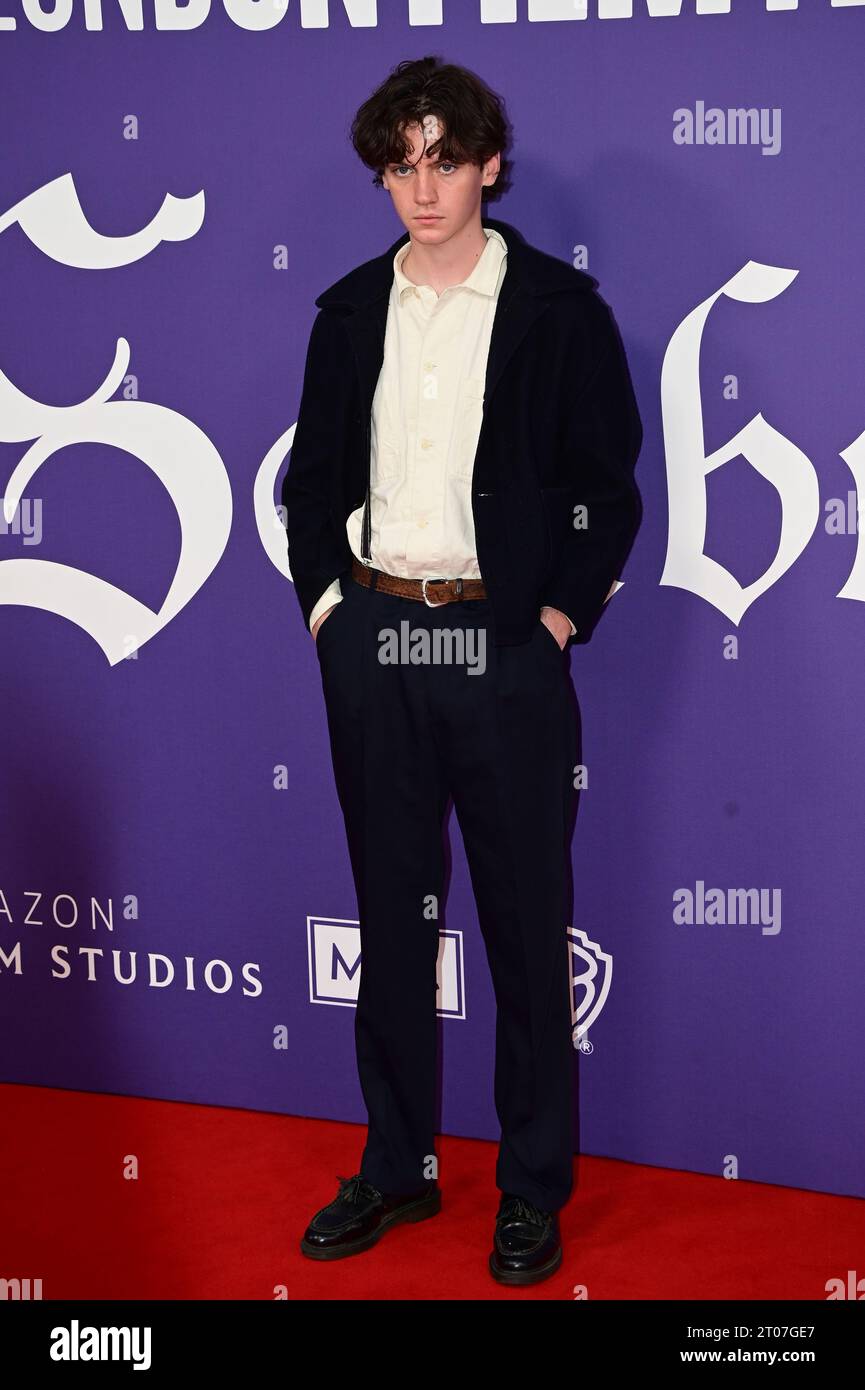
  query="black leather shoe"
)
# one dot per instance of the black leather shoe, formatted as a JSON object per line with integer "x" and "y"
{"x": 527, "y": 1246}
{"x": 359, "y": 1215}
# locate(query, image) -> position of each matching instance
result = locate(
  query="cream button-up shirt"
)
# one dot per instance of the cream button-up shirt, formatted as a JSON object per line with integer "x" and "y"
{"x": 426, "y": 419}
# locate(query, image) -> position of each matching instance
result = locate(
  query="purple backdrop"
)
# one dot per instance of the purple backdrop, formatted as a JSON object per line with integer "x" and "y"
{"x": 188, "y": 786}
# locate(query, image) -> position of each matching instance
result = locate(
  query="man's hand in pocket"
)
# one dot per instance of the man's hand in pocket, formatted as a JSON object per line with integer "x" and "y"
{"x": 558, "y": 623}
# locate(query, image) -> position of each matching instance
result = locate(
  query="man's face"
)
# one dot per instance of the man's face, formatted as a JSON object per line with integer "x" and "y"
{"x": 435, "y": 198}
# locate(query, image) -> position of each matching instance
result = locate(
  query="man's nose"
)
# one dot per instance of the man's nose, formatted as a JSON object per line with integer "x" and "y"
{"x": 425, "y": 191}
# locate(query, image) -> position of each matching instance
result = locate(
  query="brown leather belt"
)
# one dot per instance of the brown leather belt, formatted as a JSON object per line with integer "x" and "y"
{"x": 432, "y": 592}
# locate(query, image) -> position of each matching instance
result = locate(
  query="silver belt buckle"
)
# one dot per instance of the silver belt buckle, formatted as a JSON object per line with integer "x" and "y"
{"x": 427, "y": 601}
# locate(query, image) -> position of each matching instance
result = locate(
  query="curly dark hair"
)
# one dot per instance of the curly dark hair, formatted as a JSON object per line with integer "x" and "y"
{"x": 473, "y": 117}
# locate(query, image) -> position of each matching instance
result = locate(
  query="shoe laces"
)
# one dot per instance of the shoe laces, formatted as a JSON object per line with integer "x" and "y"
{"x": 352, "y": 1189}
{"x": 516, "y": 1207}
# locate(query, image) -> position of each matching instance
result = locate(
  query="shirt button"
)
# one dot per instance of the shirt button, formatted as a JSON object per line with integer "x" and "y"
{"x": 426, "y": 443}
{"x": 428, "y": 366}
{"x": 421, "y": 525}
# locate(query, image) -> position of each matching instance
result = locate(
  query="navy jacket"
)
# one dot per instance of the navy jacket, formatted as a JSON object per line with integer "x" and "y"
{"x": 560, "y": 429}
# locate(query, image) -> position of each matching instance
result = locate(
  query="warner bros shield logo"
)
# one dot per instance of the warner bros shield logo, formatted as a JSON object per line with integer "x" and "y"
{"x": 335, "y": 966}
{"x": 591, "y": 972}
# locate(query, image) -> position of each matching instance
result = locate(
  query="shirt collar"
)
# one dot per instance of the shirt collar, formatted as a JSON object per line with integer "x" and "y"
{"x": 483, "y": 278}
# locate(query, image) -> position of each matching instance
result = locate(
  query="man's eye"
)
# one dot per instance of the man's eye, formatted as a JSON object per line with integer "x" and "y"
{"x": 446, "y": 163}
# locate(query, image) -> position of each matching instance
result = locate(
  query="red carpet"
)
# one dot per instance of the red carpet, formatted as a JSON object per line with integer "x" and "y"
{"x": 222, "y": 1197}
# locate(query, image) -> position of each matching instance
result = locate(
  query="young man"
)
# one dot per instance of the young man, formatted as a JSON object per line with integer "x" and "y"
{"x": 461, "y": 482}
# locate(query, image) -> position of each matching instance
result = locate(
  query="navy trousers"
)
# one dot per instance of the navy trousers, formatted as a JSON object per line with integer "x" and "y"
{"x": 502, "y": 743}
